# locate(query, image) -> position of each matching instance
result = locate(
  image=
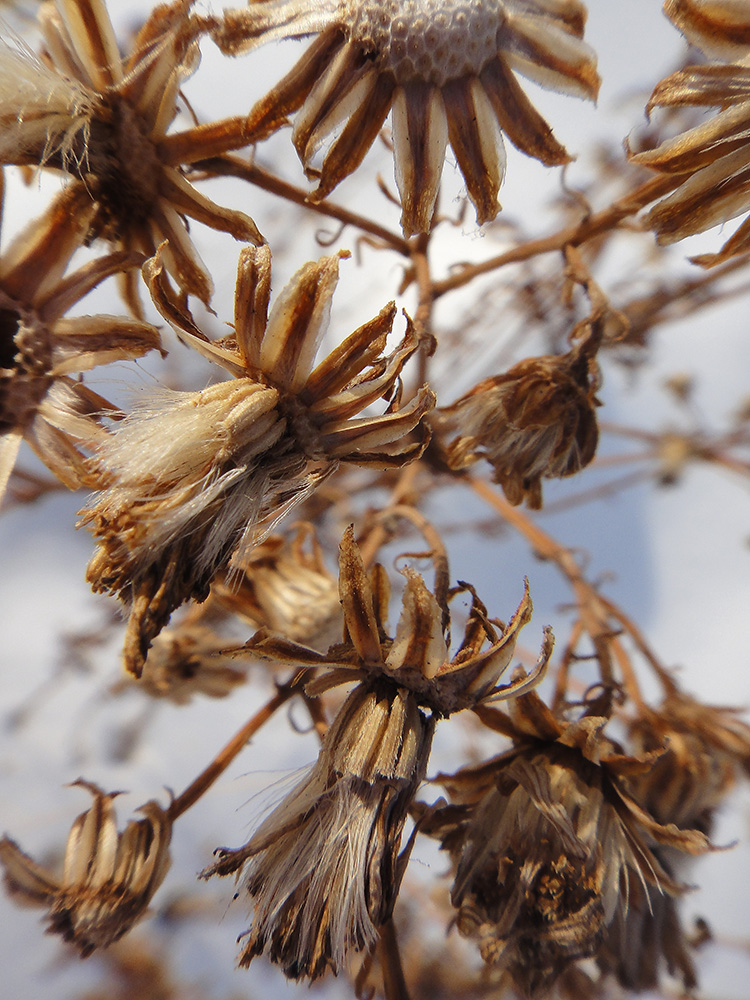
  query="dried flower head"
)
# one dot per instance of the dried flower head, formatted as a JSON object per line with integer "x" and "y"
{"x": 190, "y": 478}
{"x": 549, "y": 845}
{"x": 711, "y": 162}
{"x": 108, "y": 879}
{"x": 40, "y": 348}
{"x": 324, "y": 869}
{"x": 536, "y": 421}
{"x": 83, "y": 108}
{"x": 417, "y": 659}
{"x": 445, "y": 68}
{"x": 285, "y": 586}
{"x": 186, "y": 660}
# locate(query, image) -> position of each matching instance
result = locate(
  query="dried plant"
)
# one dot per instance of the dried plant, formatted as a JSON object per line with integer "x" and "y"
{"x": 582, "y": 786}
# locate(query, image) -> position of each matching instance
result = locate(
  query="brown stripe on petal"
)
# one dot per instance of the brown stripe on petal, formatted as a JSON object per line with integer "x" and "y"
{"x": 419, "y": 644}
{"x": 181, "y": 258}
{"x": 203, "y": 141}
{"x": 420, "y": 135}
{"x": 702, "y": 145}
{"x": 518, "y": 117}
{"x": 351, "y": 357}
{"x": 348, "y": 151}
{"x": 332, "y": 99}
{"x": 712, "y": 23}
{"x": 94, "y": 40}
{"x": 350, "y": 437}
{"x": 252, "y": 294}
{"x": 702, "y": 86}
{"x": 357, "y": 600}
{"x": 476, "y": 141}
{"x": 183, "y": 197}
{"x": 297, "y": 322}
{"x": 712, "y": 196}
{"x": 549, "y": 56}
{"x": 271, "y": 112}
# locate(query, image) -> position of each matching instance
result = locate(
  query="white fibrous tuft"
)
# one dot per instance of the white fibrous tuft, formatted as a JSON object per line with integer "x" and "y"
{"x": 41, "y": 112}
{"x": 175, "y": 457}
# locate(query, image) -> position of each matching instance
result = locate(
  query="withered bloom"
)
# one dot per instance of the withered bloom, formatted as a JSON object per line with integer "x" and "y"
{"x": 548, "y": 844}
{"x": 700, "y": 750}
{"x": 40, "y": 348}
{"x": 190, "y": 478}
{"x": 447, "y": 70}
{"x": 285, "y": 586}
{"x": 108, "y": 878}
{"x": 537, "y": 421}
{"x": 104, "y": 119}
{"x": 324, "y": 869}
{"x": 713, "y": 157}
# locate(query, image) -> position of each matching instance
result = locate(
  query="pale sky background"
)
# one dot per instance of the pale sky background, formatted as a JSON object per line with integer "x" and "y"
{"x": 677, "y": 560}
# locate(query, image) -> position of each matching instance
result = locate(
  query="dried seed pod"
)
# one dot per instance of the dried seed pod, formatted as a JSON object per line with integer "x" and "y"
{"x": 324, "y": 869}
{"x": 711, "y": 159}
{"x": 41, "y": 348}
{"x": 108, "y": 880}
{"x": 445, "y": 68}
{"x": 103, "y": 118}
{"x": 549, "y": 846}
{"x": 537, "y": 421}
{"x": 191, "y": 478}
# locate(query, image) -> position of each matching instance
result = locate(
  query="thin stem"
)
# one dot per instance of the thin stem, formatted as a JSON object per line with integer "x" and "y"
{"x": 575, "y": 235}
{"x": 423, "y": 316}
{"x": 225, "y": 756}
{"x": 233, "y": 166}
{"x": 379, "y": 533}
{"x": 394, "y": 982}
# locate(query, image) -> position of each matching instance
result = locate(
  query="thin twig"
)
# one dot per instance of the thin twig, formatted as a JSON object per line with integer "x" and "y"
{"x": 574, "y": 235}
{"x": 238, "y": 742}
{"x": 234, "y": 166}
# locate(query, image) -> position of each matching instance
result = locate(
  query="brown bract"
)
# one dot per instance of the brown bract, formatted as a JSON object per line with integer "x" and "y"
{"x": 108, "y": 879}
{"x": 712, "y": 160}
{"x": 537, "y": 421}
{"x": 324, "y": 869}
{"x": 104, "y": 119}
{"x": 190, "y": 478}
{"x": 417, "y": 659}
{"x": 548, "y": 843}
{"x": 40, "y": 348}
{"x": 447, "y": 71}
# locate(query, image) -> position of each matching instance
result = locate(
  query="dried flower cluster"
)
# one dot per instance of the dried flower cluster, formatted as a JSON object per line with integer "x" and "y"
{"x": 576, "y": 806}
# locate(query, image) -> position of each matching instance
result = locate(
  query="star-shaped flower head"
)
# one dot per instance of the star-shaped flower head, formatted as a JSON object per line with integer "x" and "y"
{"x": 445, "y": 67}
{"x": 710, "y": 162}
{"x": 108, "y": 878}
{"x": 40, "y": 348}
{"x": 104, "y": 119}
{"x": 324, "y": 868}
{"x": 549, "y": 845}
{"x": 190, "y": 478}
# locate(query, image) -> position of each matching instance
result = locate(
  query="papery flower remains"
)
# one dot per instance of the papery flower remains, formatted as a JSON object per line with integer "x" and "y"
{"x": 536, "y": 421}
{"x": 104, "y": 119}
{"x": 324, "y": 868}
{"x": 549, "y": 844}
{"x": 446, "y": 68}
{"x": 710, "y": 162}
{"x": 41, "y": 348}
{"x": 190, "y": 478}
{"x": 108, "y": 878}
